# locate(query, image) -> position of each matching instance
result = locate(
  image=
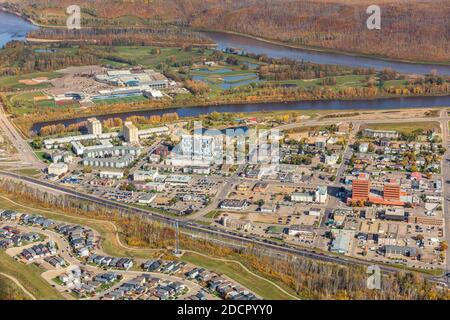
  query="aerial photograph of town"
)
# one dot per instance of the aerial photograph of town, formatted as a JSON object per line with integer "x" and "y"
{"x": 242, "y": 151}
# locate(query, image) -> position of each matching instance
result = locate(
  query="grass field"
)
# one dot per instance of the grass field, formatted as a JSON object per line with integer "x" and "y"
{"x": 23, "y": 103}
{"x": 12, "y": 82}
{"x": 41, "y": 155}
{"x": 146, "y": 57}
{"x": 121, "y": 100}
{"x": 212, "y": 214}
{"x": 405, "y": 128}
{"x": 28, "y": 172}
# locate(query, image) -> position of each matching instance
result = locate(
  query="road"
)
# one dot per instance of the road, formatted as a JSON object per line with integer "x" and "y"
{"x": 347, "y": 154}
{"x": 446, "y": 188}
{"x": 26, "y": 154}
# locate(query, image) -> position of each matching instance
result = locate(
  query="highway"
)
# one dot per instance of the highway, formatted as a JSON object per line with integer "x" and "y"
{"x": 212, "y": 231}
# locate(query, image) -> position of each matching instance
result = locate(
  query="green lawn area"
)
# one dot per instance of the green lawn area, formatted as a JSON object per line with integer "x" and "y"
{"x": 145, "y": 57}
{"x": 12, "y": 82}
{"x": 405, "y": 128}
{"x": 121, "y": 100}
{"x": 23, "y": 103}
{"x": 237, "y": 273}
{"x": 41, "y": 155}
{"x": 212, "y": 214}
{"x": 275, "y": 229}
{"x": 341, "y": 82}
{"x": 29, "y": 276}
{"x": 28, "y": 172}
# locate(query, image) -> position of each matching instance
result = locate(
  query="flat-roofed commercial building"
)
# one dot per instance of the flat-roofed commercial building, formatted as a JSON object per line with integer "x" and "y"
{"x": 144, "y": 175}
{"x": 393, "y": 251}
{"x": 390, "y": 134}
{"x": 342, "y": 242}
{"x": 233, "y": 204}
{"x": 397, "y": 214}
{"x": 118, "y": 163}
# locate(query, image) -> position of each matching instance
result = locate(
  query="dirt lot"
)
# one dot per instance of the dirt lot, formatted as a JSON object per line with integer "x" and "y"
{"x": 390, "y": 114}
{"x": 78, "y": 79}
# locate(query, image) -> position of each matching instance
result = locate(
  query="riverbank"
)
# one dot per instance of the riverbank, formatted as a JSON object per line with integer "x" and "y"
{"x": 28, "y": 19}
{"x": 190, "y": 110}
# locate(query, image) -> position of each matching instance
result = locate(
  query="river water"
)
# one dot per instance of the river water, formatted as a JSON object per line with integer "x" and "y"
{"x": 388, "y": 103}
{"x": 13, "y": 27}
{"x": 246, "y": 44}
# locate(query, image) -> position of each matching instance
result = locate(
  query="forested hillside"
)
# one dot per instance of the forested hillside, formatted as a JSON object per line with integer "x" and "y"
{"x": 414, "y": 30}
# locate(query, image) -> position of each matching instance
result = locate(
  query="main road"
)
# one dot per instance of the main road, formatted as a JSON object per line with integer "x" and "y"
{"x": 26, "y": 154}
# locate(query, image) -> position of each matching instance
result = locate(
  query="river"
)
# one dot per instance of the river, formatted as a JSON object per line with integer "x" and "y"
{"x": 13, "y": 27}
{"x": 388, "y": 103}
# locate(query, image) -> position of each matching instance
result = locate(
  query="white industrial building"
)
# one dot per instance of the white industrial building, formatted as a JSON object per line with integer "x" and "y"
{"x": 108, "y": 174}
{"x": 118, "y": 163}
{"x": 320, "y": 195}
{"x": 56, "y": 142}
{"x": 79, "y": 149}
{"x": 144, "y": 175}
{"x": 127, "y": 78}
{"x": 197, "y": 146}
